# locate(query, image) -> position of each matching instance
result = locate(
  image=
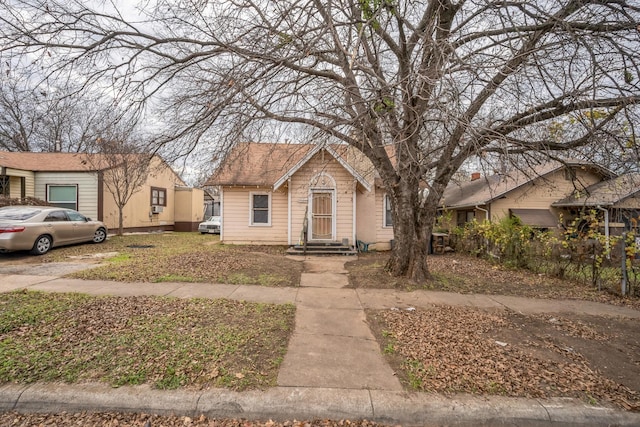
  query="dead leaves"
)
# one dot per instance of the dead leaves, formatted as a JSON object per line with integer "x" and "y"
{"x": 111, "y": 419}
{"x": 462, "y": 350}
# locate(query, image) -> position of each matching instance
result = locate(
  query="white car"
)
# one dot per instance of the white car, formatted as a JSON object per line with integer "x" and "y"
{"x": 211, "y": 225}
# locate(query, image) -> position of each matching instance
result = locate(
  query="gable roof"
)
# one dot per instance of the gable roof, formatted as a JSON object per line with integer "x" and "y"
{"x": 605, "y": 193}
{"x": 312, "y": 153}
{"x": 272, "y": 164}
{"x": 485, "y": 190}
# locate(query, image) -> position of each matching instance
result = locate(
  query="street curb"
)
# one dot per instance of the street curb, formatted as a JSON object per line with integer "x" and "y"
{"x": 288, "y": 403}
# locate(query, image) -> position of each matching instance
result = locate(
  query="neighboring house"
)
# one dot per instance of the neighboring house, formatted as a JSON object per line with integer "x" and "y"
{"x": 617, "y": 201}
{"x": 76, "y": 181}
{"x": 268, "y": 192}
{"x": 530, "y": 195}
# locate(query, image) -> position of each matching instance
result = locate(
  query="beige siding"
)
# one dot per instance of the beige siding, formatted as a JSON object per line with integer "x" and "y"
{"x": 236, "y": 227}
{"x": 541, "y": 193}
{"x": 29, "y": 182}
{"x": 344, "y": 195}
{"x": 189, "y": 204}
{"x": 366, "y": 218}
{"x": 384, "y": 235}
{"x": 87, "y": 183}
{"x": 137, "y": 212}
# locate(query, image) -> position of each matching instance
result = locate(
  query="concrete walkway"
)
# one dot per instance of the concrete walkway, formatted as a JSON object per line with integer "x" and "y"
{"x": 332, "y": 345}
{"x": 333, "y": 367}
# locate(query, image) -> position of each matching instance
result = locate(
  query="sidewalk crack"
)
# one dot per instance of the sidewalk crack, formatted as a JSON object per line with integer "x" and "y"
{"x": 15, "y": 404}
{"x": 545, "y": 409}
{"x": 373, "y": 411}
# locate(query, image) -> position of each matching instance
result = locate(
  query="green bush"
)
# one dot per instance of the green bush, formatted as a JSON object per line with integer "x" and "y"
{"x": 582, "y": 252}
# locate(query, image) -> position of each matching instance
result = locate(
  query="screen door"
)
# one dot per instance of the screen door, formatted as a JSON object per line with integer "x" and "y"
{"x": 322, "y": 216}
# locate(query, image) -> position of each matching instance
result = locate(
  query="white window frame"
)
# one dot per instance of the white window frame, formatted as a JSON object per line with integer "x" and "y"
{"x": 386, "y": 200}
{"x": 75, "y": 202}
{"x": 259, "y": 224}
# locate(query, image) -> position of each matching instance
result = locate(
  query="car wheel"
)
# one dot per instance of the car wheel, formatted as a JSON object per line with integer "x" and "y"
{"x": 42, "y": 245}
{"x": 100, "y": 235}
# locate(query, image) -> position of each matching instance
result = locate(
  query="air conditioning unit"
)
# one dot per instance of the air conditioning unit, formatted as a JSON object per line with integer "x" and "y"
{"x": 156, "y": 209}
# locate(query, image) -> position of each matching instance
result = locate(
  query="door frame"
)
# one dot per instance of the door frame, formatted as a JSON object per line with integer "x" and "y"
{"x": 322, "y": 182}
{"x": 332, "y": 192}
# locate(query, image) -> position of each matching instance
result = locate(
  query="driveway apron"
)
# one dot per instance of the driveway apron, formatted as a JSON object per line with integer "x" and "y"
{"x": 332, "y": 345}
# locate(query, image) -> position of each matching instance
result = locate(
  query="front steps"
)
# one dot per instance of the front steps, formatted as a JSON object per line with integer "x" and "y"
{"x": 328, "y": 248}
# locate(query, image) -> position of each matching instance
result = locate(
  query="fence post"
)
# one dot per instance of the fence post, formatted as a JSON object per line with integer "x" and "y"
{"x": 623, "y": 284}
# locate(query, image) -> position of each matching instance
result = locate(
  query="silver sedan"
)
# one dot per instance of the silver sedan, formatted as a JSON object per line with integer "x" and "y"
{"x": 40, "y": 228}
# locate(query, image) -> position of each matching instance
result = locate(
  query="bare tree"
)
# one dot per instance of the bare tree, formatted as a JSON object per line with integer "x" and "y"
{"x": 124, "y": 169}
{"x": 418, "y": 86}
{"x": 18, "y": 117}
{"x": 37, "y": 117}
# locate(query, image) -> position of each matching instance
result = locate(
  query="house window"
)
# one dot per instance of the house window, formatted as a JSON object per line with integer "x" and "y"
{"x": 464, "y": 217}
{"x": 388, "y": 216}
{"x": 158, "y": 196}
{"x": 260, "y": 208}
{"x": 5, "y": 189}
{"x": 63, "y": 196}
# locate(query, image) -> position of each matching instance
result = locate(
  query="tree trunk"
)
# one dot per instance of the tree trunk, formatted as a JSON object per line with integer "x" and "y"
{"x": 412, "y": 225}
{"x": 120, "y": 221}
{"x": 414, "y": 215}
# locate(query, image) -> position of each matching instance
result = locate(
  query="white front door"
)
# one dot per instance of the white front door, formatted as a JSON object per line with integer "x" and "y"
{"x": 322, "y": 215}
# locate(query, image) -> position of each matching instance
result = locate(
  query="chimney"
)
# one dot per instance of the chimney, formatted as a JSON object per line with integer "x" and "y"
{"x": 475, "y": 176}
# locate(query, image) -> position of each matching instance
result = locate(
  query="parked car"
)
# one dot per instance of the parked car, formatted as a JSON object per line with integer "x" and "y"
{"x": 211, "y": 225}
{"x": 40, "y": 228}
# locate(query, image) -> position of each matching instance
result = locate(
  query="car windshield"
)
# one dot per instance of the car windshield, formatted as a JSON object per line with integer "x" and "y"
{"x": 214, "y": 219}
{"x": 17, "y": 214}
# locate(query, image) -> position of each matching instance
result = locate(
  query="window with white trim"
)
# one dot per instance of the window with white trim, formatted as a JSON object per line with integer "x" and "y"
{"x": 260, "y": 208}
{"x": 387, "y": 215}
{"x": 63, "y": 196}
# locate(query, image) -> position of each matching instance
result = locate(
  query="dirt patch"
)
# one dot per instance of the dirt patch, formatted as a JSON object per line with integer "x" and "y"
{"x": 465, "y": 350}
{"x": 469, "y": 275}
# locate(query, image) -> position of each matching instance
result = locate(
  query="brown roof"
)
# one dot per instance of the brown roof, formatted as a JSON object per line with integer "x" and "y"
{"x": 487, "y": 189}
{"x": 262, "y": 164}
{"x": 605, "y": 193}
{"x": 49, "y": 162}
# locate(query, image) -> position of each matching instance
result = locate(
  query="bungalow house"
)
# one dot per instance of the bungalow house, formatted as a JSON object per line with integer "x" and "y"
{"x": 617, "y": 200}
{"x": 77, "y": 181}
{"x": 531, "y": 194}
{"x": 268, "y": 192}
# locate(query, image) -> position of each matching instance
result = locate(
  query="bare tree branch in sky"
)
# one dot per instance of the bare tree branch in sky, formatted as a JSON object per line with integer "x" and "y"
{"x": 419, "y": 87}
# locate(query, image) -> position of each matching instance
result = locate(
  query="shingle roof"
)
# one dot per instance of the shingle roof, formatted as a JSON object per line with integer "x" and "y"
{"x": 50, "y": 162}
{"x": 605, "y": 193}
{"x": 263, "y": 164}
{"x": 487, "y": 189}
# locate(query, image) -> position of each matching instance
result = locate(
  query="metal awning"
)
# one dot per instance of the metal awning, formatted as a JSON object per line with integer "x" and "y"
{"x": 539, "y": 218}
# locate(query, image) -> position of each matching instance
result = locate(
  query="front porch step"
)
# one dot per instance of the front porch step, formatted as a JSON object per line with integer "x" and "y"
{"x": 329, "y": 248}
